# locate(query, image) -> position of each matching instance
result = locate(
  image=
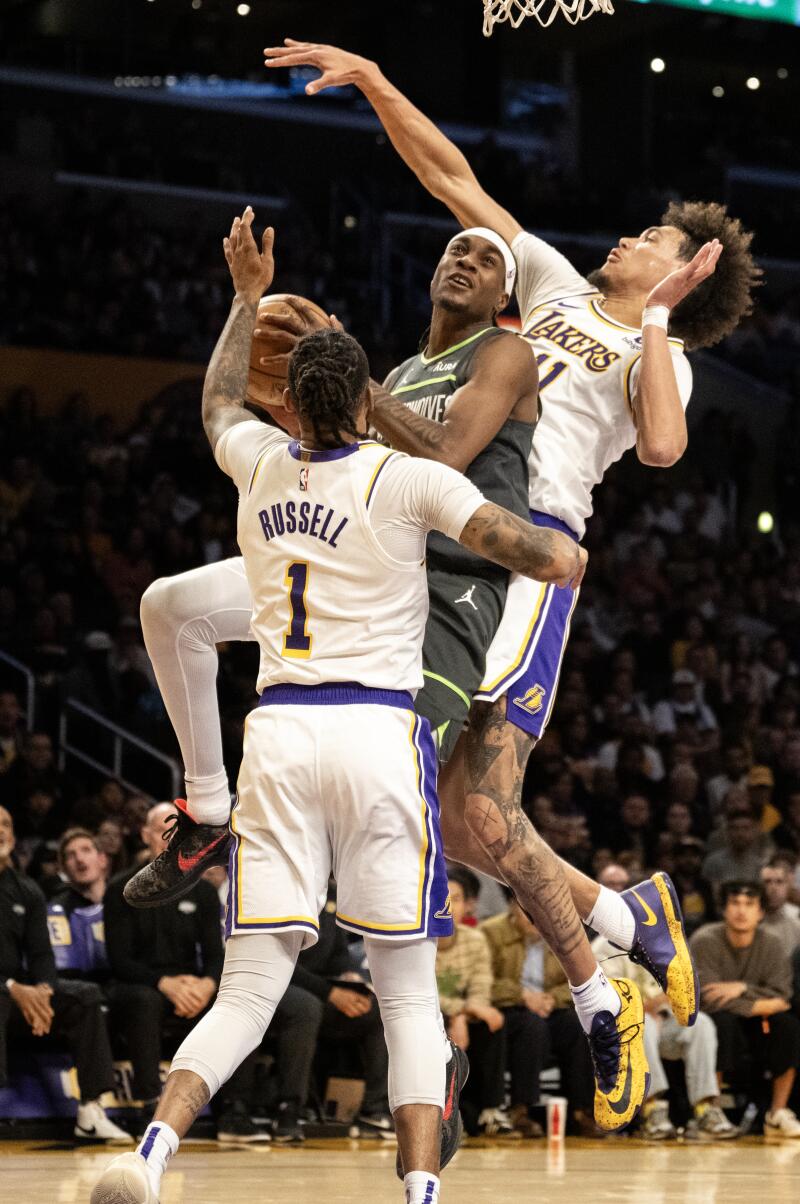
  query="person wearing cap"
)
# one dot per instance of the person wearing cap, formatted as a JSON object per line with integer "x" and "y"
{"x": 684, "y": 706}
{"x": 746, "y": 987}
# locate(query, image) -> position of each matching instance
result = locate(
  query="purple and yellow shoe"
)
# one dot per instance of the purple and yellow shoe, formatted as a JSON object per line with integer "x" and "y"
{"x": 621, "y": 1072}
{"x": 660, "y": 944}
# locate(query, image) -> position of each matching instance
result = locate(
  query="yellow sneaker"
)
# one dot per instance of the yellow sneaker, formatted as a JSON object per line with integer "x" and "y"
{"x": 621, "y": 1072}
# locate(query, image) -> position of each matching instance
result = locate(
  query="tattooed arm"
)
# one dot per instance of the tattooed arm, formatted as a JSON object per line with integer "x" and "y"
{"x": 503, "y": 383}
{"x": 537, "y": 552}
{"x": 225, "y": 384}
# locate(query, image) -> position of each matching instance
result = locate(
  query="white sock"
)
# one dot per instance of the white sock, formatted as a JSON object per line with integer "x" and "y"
{"x": 421, "y": 1188}
{"x": 157, "y": 1146}
{"x": 209, "y": 799}
{"x": 595, "y": 995}
{"x": 613, "y": 919}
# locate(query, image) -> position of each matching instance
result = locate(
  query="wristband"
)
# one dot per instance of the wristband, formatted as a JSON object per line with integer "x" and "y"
{"x": 656, "y": 315}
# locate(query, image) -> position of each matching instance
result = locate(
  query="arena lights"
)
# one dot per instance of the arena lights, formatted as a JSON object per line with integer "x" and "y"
{"x": 718, "y": 91}
{"x": 754, "y": 83}
{"x": 197, "y": 4}
{"x": 243, "y": 10}
{"x": 782, "y": 73}
{"x": 765, "y": 522}
{"x": 657, "y": 66}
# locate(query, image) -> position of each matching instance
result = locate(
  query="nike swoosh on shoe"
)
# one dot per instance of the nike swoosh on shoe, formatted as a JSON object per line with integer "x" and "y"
{"x": 188, "y": 863}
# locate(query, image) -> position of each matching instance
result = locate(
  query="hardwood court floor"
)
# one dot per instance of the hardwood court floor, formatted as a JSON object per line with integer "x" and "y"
{"x": 622, "y": 1172}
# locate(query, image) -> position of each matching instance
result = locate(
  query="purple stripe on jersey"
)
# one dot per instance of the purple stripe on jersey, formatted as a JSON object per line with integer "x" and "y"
{"x": 531, "y": 697}
{"x": 317, "y": 455}
{"x": 334, "y": 693}
{"x": 377, "y": 475}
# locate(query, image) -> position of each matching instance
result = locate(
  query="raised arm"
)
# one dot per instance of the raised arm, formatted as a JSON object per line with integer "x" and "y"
{"x": 537, "y": 552}
{"x": 438, "y": 165}
{"x": 225, "y": 385}
{"x": 504, "y": 380}
{"x": 658, "y": 412}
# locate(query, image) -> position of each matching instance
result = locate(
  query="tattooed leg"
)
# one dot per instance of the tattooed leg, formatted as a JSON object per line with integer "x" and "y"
{"x": 496, "y": 755}
{"x": 459, "y": 843}
{"x": 184, "y": 1097}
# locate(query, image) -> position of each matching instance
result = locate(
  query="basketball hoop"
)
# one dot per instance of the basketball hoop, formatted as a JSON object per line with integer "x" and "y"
{"x": 545, "y": 11}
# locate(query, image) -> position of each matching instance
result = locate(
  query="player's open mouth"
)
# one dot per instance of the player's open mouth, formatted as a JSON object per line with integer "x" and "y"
{"x": 614, "y": 256}
{"x": 459, "y": 281}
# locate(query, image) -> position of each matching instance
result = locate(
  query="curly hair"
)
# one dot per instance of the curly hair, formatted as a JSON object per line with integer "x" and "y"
{"x": 328, "y": 373}
{"x": 715, "y": 307}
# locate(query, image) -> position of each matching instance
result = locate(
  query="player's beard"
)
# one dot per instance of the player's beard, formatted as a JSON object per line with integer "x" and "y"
{"x": 599, "y": 280}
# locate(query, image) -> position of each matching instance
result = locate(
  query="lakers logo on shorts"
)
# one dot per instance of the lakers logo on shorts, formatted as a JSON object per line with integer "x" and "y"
{"x": 532, "y": 700}
{"x": 446, "y": 912}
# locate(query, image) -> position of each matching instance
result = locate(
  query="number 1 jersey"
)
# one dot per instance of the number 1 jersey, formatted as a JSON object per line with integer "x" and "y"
{"x": 334, "y": 550}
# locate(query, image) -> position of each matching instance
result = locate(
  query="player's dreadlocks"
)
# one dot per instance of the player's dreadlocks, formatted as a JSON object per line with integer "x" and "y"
{"x": 715, "y": 307}
{"x": 328, "y": 373}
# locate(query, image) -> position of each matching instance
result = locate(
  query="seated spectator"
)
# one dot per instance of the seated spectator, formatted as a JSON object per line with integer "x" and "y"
{"x": 666, "y": 1040}
{"x": 166, "y": 964}
{"x": 760, "y": 787}
{"x": 34, "y": 999}
{"x": 11, "y": 729}
{"x": 111, "y": 838}
{"x": 327, "y": 996}
{"x": 736, "y": 761}
{"x": 746, "y": 986}
{"x": 34, "y": 769}
{"x": 694, "y": 891}
{"x": 683, "y": 708}
{"x": 471, "y": 889}
{"x": 80, "y": 947}
{"x": 464, "y": 975}
{"x": 741, "y": 854}
{"x": 780, "y": 916}
{"x": 541, "y": 1026}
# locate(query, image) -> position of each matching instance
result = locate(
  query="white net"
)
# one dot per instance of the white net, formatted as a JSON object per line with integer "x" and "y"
{"x": 545, "y": 11}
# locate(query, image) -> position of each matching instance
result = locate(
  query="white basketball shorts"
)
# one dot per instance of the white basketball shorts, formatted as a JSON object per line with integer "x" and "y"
{"x": 338, "y": 779}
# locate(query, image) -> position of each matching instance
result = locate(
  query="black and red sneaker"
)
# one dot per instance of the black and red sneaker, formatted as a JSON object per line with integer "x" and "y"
{"x": 452, "y": 1124}
{"x": 191, "y": 849}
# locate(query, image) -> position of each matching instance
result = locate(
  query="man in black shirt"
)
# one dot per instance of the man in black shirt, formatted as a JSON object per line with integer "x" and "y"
{"x": 166, "y": 964}
{"x": 33, "y": 998}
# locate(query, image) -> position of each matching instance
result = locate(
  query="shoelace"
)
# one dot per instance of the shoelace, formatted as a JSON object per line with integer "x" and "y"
{"x": 178, "y": 821}
{"x": 603, "y": 1046}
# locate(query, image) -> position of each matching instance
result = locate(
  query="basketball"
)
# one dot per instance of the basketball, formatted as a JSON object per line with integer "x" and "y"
{"x": 265, "y": 385}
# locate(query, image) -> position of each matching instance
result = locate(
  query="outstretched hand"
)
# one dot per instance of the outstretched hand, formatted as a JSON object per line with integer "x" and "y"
{"x": 251, "y": 270}
{"x": 673, "y": 288}
{"x": 338, "y": 67}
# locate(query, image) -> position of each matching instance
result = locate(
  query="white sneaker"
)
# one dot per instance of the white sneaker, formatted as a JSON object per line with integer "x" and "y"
{"x": 92, "y": 1124}
{"x": 782, "y": 1123}
{"x": 124, "y": 1181}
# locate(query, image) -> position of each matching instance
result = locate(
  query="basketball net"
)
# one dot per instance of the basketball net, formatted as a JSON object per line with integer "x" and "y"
{"x": 545, "y": 11}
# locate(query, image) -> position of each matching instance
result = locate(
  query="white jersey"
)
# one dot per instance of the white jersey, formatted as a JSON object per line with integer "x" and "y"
{"x": 334, "y": 550}
{"x": 588, "y": 376}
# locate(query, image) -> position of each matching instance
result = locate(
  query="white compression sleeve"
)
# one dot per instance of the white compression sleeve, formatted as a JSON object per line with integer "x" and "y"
{"x": 258, "y": 967}
{"x": 404, "y": 977}
{"x": 183, "y": 620}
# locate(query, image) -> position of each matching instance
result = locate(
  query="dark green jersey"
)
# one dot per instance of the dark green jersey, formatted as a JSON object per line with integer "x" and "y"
{"x": 500, "y": 471}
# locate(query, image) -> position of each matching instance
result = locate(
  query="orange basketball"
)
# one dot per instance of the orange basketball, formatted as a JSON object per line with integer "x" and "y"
{"x": 265, "y": 385}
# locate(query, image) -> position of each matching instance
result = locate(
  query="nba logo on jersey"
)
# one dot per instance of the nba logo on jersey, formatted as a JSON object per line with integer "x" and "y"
{"x": 532, "y": 700}
{"x": 304, "y": 478}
